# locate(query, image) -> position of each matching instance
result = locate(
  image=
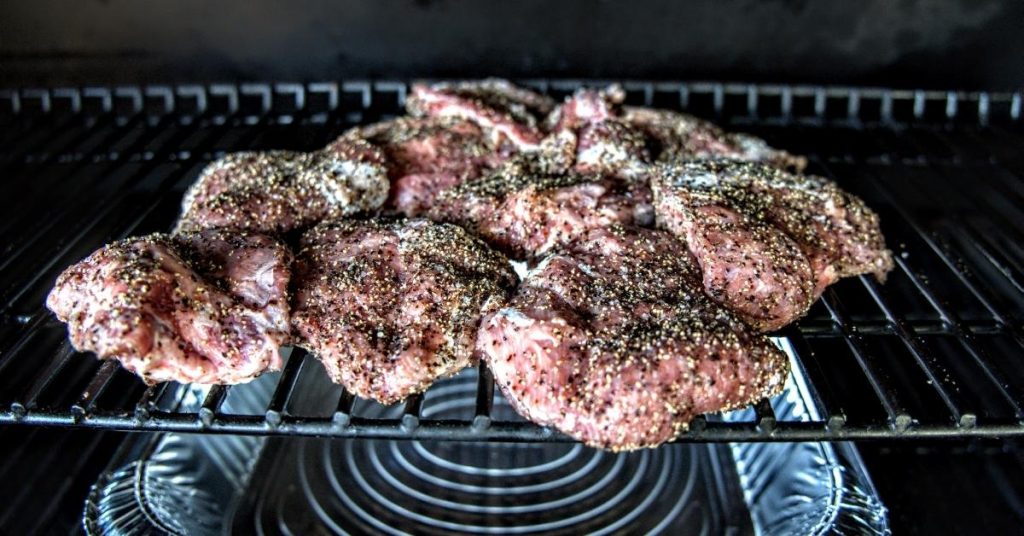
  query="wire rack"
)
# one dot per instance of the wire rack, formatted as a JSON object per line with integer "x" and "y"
{"x": 935, "y": 352}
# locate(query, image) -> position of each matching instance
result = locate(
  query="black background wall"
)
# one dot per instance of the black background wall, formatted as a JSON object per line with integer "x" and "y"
{"x": 967, "y": 44}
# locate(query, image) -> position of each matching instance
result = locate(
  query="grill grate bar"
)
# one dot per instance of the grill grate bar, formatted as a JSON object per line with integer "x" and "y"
{"x": 343, "y": 413}
{"x": 50, "y": 216}
{"x": 921, "y": 355}
{"x": 1006, "y": 266}
{"x": 411, "y": 412}
{"x": 967, "y": 341}
{"x": 46, "y": 379}
{"x": 37, "y": 138}
{"x": 947, "y": 260}
{"x": 430, "y": 429}
{"x": 60, "y": 145}
{"x": 765, "y": 416}
{"x": 211, "y": 405}
{"x": 109, "y": 204}
{"x": 822, "y": 394}
{"x": 147, "y": 403}
{"x": 899, "y": 418}
{"x": 285, "y": 387}
{"x": 19, "y": 345}
{"x": 484, "y": 397}
{"x": 18, "y": 213}
{"x": 96, "y": 387}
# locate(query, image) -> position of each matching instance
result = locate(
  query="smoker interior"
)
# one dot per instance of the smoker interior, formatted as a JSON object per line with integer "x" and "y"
{"x": 932, "y": 353}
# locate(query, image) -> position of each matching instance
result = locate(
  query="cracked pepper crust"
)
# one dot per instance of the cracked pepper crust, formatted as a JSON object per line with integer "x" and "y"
{"x": 768, "y": 242}
{"x": 275, "y": 192}
{"x": 526, "y": 212}
{"x": 209, "y": 307}
{"x": 425, "y": 155}
{"x": 612, "y": 342}
{"x": 511, "y": 115}
{"x": 389, "y": 307}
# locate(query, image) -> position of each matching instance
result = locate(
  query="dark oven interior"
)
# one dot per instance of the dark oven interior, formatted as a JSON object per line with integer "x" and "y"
{"x": 923, "y": 372}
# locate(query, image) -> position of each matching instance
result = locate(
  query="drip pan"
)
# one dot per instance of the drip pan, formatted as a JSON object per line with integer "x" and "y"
{"x": 191, "y": 484}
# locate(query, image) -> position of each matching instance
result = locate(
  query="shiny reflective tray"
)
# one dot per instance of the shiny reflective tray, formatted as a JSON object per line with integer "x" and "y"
{"x": 201, "y": 484}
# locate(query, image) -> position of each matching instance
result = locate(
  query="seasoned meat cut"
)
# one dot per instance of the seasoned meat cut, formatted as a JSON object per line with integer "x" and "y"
{"x": 391, "y": 307}
{"x": 589, "y": 134}
{"x": 768, "y": 242}
{"x": 526, "y": 212}
{"x": 612, "y": 342}
{"x": 207, "y": 307}
{"x": 509, "y": 114}
{"x": 674, "y": 137}
{"x": 426, "y": 155}
{"x": 275, "y": 192}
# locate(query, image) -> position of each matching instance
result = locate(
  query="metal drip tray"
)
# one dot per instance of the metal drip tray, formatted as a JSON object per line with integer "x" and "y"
{"x": 440, "y": 487}
{"x": 446, "y": 488}
{"x": 194, "y": 484}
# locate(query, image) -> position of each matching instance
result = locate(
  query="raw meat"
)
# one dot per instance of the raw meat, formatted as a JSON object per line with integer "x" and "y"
{"x": 276, "y": 192}
{"x": 525, "y": 212}
{"x": 675, "y": 137}
{"x": 426, "y": 155}
{"x": 613, "y": 342}
{"x": 589, "y": 134}
{"x": 768, "y": 242}
{"x": 511, "y": 115}
{"x": 208, "y": 307}
{"x": 391, "y": 307}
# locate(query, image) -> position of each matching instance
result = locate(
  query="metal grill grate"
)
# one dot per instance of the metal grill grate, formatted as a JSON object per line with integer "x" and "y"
{"x": 937, "y": 351}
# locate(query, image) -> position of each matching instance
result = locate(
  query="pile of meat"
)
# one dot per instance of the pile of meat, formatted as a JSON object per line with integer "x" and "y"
{"x": 661, "y": 248}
